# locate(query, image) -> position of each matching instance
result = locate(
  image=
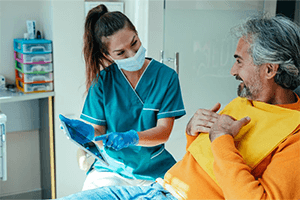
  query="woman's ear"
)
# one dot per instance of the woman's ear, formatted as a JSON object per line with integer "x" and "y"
{"x": 107, "y": 57}
{"x": 107, "y": 60}
{"x": 271, "y": 70}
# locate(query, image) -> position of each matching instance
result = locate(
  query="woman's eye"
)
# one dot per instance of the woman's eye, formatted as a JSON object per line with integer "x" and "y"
{"x": 120, "y": 53}
{"x": 134, "y": 43}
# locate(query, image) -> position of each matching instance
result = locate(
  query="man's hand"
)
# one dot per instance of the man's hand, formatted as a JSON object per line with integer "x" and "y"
{"x": 203, "y": 120}
{"x": 226, "y": 124}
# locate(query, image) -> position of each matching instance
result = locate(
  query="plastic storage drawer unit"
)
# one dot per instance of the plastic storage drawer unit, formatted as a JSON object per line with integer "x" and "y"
{"x": 34, "y": 87}
{"x": 34, "y": 78}
{"x": 33, "y": 46}
{"x": 34, "y": 68}
{"x": 33, "y": 58}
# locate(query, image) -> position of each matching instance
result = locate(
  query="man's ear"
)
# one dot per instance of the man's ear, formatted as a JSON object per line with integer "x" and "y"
{"x": 271, "y": 70}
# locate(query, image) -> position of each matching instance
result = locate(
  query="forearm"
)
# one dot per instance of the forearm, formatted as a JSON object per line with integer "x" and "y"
{"x": 235, "y": 178}
{"x": 157, "y": 135}
{"x": 231, "y": 172}
{"x": 99, "y": 130}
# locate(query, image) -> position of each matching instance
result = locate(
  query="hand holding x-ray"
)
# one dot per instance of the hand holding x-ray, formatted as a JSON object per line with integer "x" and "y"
{"x": 119, "y": 140}
{"x": 82, "y": 134}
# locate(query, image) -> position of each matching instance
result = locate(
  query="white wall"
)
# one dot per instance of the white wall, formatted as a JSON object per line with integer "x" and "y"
{"x": 155, "y": 28}
{"x": 69, "y": 73}
{"x": 23, "y": 118}
{"x": 23, "y": 163}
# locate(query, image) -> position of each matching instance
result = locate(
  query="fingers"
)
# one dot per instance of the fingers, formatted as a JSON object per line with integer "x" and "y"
{"x": 227, "y": 125}
{"x": 216, "y": 107}
{"x": 202, "y": 120}
{"x": 101, "y": 137}
{"x": 240, "y": 123}
{"x": 244, "y": 121}
{"x": 206, "y": 114}
{"x": 64, "y": 119}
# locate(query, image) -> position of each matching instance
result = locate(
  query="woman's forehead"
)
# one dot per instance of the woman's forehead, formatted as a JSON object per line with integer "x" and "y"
{"x": 121, "y": 39}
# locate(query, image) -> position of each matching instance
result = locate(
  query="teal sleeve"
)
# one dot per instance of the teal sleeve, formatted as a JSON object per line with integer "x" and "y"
{"x": 93, "y": 109}
{"x": 172, "y": 104}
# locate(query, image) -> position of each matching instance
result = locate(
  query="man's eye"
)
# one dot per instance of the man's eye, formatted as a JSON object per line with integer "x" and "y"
{"x": 238, "y": 61}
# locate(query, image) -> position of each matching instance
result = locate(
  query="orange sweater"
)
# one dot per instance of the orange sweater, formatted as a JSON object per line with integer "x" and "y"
{"x": 276, "y": 177}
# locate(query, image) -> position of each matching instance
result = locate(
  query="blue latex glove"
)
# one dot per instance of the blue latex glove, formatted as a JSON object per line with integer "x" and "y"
{"x": 120, "y": 140}
{"x": 80, "y": 131}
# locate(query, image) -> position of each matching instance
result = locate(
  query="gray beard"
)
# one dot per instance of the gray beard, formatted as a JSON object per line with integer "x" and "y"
{"x": 244, "y": 92}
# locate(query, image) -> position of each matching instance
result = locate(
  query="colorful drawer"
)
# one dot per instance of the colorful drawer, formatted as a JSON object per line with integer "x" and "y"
{"x": 35, "y": 46}
{"x": 34, "y": 68}
{"x": 34, "y": 87}
{"x": 34, "y": 78}
{"x": 33, "y": 58}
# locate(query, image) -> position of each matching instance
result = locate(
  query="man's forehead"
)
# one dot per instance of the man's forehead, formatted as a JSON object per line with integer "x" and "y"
{"x": 242, "y": 48}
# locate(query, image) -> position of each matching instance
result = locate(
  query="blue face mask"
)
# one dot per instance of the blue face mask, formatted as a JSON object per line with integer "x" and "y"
{"x": 134, "y": 63}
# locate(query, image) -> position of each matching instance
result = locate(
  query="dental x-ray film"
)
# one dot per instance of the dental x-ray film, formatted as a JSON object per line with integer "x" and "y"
{"x": 83, "y": 142}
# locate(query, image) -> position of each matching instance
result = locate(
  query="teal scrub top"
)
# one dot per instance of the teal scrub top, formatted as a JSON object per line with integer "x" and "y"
{"x": 114, "y": 103}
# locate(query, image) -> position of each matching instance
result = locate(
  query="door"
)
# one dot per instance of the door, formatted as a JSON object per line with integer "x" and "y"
{"x": 200, "y": 32}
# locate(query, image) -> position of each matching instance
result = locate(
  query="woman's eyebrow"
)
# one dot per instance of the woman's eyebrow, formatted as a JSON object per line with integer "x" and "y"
{"x": 132, "y": 41}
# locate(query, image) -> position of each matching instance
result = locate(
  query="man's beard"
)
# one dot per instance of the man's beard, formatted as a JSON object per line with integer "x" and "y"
{"x": 244, "y": 91}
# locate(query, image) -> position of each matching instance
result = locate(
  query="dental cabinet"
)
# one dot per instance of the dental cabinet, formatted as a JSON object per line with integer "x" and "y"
{"x": 17, "y": 132}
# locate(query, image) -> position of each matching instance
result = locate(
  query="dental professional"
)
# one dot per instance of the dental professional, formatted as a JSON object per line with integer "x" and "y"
{"x": 132, "y": 102}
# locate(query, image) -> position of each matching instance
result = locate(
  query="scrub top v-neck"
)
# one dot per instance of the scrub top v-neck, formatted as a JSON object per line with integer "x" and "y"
{"x": 114, "y": 103}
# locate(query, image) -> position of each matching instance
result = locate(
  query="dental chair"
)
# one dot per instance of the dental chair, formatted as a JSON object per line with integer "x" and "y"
{"x": 84, "y": 160}
{"x": 297, "y": 91}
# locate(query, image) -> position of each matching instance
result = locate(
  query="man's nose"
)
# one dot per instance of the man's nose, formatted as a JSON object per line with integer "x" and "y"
{"x": 233, "y": 70}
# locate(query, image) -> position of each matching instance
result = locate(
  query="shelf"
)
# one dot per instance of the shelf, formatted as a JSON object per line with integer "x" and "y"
{"x": 8, "y": 97}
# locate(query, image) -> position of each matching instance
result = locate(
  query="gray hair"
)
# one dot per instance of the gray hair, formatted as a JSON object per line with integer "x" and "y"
{"x": 274, "y": 40}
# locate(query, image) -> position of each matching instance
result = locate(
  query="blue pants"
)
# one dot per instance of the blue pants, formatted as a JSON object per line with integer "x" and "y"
{"x": 154, "y": 191}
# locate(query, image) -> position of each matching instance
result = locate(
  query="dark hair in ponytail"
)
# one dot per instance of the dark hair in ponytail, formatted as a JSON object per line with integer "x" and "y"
{"x": 99, "y": 24}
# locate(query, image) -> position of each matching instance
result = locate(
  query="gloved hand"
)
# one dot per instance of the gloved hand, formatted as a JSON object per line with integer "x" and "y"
{"x": 120, "y": 140}
{"x": 80, "y": 131}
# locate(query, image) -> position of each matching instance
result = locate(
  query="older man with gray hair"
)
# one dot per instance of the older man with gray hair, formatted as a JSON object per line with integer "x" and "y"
{"x": 251, "y": 149}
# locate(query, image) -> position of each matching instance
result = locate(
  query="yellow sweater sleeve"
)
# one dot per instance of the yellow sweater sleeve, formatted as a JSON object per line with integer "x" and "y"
{"x": 281, "y": 179}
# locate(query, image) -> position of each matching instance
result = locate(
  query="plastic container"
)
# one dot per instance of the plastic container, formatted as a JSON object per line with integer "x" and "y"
{"x": 33, "y": 46}
{"x": 34, "y": 68}
{"x": 34, "y": 87}
{"x": 33, "y": 58}
{"x": 34, "y": 78}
